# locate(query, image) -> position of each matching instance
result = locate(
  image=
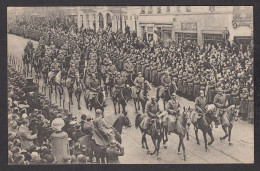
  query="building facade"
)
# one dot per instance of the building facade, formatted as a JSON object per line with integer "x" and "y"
{"x": 202, "y": 24}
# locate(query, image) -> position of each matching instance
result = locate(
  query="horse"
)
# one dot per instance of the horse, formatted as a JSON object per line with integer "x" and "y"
{"x": 70, "y": 84}
{"x": 180, "y": 127}
{"x": 27, "y": 57}
{"x": 45, "y": 71}
{"x": 227, "y": 118}
{"x": 57, "y": 81}
{"x": 204, "y": 124}
{"x": 97, "y": 101}
{"x": 121, "y": 98}
{"x": 129, "y": 77}
{"x": 165, "y": 93}
{"x": 99, "y": 152}
{"x": 109, "y": 84}
{"x": 156, "y": 132}
{"x": 141, "y": 96}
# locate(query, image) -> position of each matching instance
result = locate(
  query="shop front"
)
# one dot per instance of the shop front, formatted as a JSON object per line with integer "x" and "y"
{"x": 188, "y": 31}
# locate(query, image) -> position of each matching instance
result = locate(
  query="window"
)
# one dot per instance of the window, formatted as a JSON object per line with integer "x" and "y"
{"x": 178, "y": 9}
{"x": 150, "y": 11}
{"x": 212, "y": 38}
{"x": 168, "y": 9}
{"x": 142, "y": 10}
{"x": 188, "y": 8}
{"x": 212, "y": 8}
{"x": 158, "y": 10}
{"x": 149, "y": 29}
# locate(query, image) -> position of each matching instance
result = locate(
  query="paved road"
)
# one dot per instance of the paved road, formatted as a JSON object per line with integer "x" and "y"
{"x": 242, "y": 150}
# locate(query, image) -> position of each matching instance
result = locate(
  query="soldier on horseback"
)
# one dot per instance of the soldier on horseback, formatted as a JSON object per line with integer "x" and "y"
{"x": 200, "y": 106}
{"x": 45, "y": 66}
{"x": 152, "y": 112}
{"x": 220, "y": 103}
{"x": 55, "y": 68}
{"x": 74, "y": 61}
{"x": 166, "y": 81}
{"x": 93, "y": 86}
{"x": 102, "y": 134}
{"x": 119, "y": 84}
{"x": 111, "y": 70}
{"x": 129, "y": 67}
{"x": 139, "y": 83}
{"x": 72, "y": 74}
{"x": 61, "y": 59}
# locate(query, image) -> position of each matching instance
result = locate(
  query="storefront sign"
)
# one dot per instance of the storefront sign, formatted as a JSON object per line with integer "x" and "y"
{"x": 188, "y": 26}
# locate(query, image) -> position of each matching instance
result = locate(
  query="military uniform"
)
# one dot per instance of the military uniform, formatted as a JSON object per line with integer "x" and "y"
{"x": 112, "y": 153}
{"x": 139, "y": 83}
{"x": 75, "y": 62}
{"x": 152, "y": 110}
{"x": 220, "y": 103}
{"x": 244, "y": 103}
{"x": 190, "y": 85}
{"x": 235, "y": 96}
{"x": 93, "y": 84}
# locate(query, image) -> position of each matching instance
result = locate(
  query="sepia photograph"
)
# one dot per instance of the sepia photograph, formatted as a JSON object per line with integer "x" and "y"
{"x": 130, "y": 85}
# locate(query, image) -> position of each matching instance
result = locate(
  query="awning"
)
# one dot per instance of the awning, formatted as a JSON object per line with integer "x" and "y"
{"x": 212, "y": 31}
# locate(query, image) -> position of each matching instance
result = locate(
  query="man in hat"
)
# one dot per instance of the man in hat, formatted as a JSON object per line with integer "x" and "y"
{"x": 129, "y": 67}
{"x": 91, "y": 69}
{"x": 220, "y": 103}
{"x": 74, "y": 61}
{"x": 119, "y": 84}
{"x": 55, "y": 68}
{"x": 72, "y": 75}
{"x": 152, "y": 112}
{"x": 94, "y": 84}
{"x": 166, "y": 81}
{"x": 61, "y": 58}
{"x": 113, "y": 151}
{"x": 102, "y": 134}
{"x": 111, "y": 70}
{"x": 139, "y": 83}
{"x": 25, "y": 135}
{"x": 200, "y": 104}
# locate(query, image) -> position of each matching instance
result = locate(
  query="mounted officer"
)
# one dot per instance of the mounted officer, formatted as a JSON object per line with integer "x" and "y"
{"x": 129, "y": 67}
{"x": 220, "y": 103}
{"x": 55, "y": 68}
{"x": 102, "y": 134}
{"x": 152, "y": 112}
{"x": 166, "y": 81}
{"x": 200, "y": 106}
{"x": 139, "y": 83}
{"x": 111, "y": 70}
{"x": 93, "y": 85}
{"x": 72, "y": 73}
{"x": 119, "y": 84}
{"x": 61, "y": 58}
{"x": 74, "y": 61}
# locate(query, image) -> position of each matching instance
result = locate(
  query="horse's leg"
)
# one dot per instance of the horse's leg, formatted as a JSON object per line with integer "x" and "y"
{"x": 142, "y": 141}
{"x": 188, "y": 136}
{"x": 205, "y": 140}
{"x": 158, "y": 148}
{"x": 154, "y": 143}
{"x": 135, "y": 105}
{"x": 123, "y": 106}
{"x": 119, "y": 107}
{"x": 138, "y": 103}
{"x": 97, "y": 160}
{"x": 226, "y": 133}
{"x": 183, "y": 147}
{"x": 197, "y": 139}
{"x": 145, "y": 142}
{"x": 103, "y": 160}
{"x": 229, "y": 134}
{"x": 179, "y": 147}
{"x": 114, "y": 102}
{"x": 211, "y": 136}
{"x": 143, "y": 106}
{"x": 166, "y": 137}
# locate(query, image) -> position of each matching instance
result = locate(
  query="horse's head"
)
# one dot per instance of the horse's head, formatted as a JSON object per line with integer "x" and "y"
{"x": 127, "y": 92}
{"x": 212, "y": 112}
{"x": 234, "y": 109}
{"x": 187, "y": 115}
{"x": 127, "y": 122}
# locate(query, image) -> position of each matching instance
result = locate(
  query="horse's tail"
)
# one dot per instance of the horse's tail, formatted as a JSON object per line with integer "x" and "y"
{"x": 137, "y": 122}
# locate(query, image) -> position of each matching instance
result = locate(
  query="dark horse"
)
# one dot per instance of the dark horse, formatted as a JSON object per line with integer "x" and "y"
{"x": 27, "y": 58}
{"x": 227, "y": 118}
{"x": 109, "y": 84}
{"x": 204, "y": 124}
{"x": 179, "y": 127}
{"x": 142, "y": 96}
{"x": 121, "y": 98}
{"x": 70, "y": 83}
{"x": 97, "y": 101}
{"x": 165, "y": 93}
{"x": 99, "y": 152}
{"x": 155, "y": 131}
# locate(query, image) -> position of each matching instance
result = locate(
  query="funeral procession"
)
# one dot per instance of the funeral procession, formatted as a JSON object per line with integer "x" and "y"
{"x": 130, "y": 85}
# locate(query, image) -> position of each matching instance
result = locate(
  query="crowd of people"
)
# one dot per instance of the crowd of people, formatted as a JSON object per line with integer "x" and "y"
{"x": 30, "y": 129}
{"x": 190, "y": 66}
{"x": 209, "y": 67}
